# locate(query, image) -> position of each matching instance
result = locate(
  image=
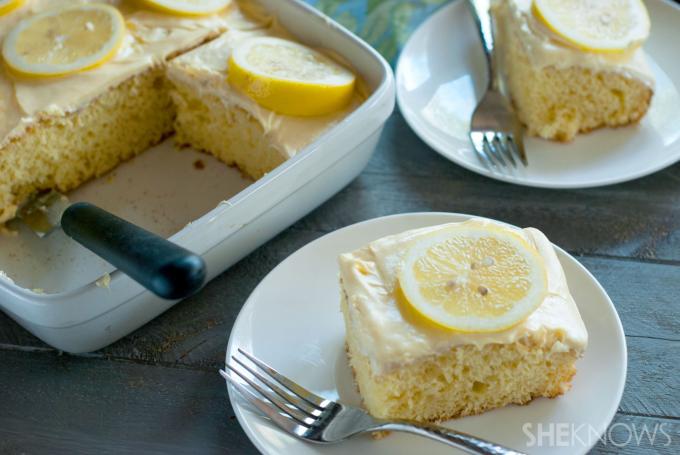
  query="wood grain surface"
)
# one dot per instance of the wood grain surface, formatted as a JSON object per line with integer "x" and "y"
{"x": 157, "y": 390}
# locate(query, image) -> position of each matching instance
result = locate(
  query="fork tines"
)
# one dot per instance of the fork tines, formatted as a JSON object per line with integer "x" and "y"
{"x": 497, "y": 149}
{"x": 289, "y": 405}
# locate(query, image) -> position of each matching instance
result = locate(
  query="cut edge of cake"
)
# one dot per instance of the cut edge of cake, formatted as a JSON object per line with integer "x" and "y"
{"x": 230, "y": 133}
{"x": 56, "y": 152}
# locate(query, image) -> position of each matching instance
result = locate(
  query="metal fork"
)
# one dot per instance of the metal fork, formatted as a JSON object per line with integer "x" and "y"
{"x": 312, "y": 418}
{"x": 495, "y": 131}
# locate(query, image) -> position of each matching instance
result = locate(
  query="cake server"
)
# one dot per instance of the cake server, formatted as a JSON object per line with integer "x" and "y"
{"x": 164, "y": 268}
{"x": 495, "y": 130}
{"x": 312, "y": 418}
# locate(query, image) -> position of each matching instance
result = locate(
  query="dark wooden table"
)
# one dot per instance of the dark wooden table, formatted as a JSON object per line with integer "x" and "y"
{"x": 158, "y": 391}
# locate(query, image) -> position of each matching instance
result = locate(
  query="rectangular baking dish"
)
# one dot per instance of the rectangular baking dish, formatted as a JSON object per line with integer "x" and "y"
{"x": 76, "y": 302}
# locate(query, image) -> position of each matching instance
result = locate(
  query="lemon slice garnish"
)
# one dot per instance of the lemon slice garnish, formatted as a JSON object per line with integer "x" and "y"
{"x": 188, "y": 7}
{"x": 473, "y": 278}
{"x": 9, "y": 5}
{"x": 64, "y": 41}
{"x": 289, "y": 78}
{"x": 596, "y": 26}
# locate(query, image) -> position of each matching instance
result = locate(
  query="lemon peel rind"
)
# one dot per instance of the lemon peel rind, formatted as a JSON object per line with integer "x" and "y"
{"x": 162, "y": 7}
{"x": 287, "y": 95}
{"x": 15, "y": 66}
{"x": 610, "y": 49}
{"x": 468, "y": 324}
{"x": 8, "y": 7}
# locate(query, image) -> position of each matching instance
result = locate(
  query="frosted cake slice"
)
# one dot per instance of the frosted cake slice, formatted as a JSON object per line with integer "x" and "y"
{"x": 567, "y": 78}
{"x": 408, "y": 367}
{"x": 248, "y": 128}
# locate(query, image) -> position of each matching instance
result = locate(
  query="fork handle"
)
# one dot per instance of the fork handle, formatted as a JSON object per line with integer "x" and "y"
{"x": 462, "y": 441}
{"x": 480, "y": 10}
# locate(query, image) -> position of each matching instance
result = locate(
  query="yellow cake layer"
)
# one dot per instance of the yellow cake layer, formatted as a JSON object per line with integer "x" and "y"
{"x": 467, "y": 380}
{"x": 232, "y": 134}
{"x": 62, "y": 152}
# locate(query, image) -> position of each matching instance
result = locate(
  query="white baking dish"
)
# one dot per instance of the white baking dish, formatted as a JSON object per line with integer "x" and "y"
{"x": 55, "y": 289}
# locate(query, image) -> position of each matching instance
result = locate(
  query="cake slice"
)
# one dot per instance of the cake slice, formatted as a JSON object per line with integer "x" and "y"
{"x": 560, "y": 87}
{"x": 254, "y": 127}
{"x": 409, "y": 366}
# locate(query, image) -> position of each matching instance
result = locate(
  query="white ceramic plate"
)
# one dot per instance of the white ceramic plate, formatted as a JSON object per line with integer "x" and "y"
{"x": 442, "y": 73}
{"x": 293, "y": 321}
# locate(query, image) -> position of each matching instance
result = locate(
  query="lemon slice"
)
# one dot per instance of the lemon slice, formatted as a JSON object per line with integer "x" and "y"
{"x": 289, "y": 78}
{"x": 64, "y": 41}
{"x": 597, "y": 26}
{"x": 188, "y": 7}
{"x": 7, "y": 6}
{"x": 474, "y": 278}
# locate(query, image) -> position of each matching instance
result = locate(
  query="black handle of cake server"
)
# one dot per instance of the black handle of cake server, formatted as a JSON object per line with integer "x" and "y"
{"x": 166, "y": 269}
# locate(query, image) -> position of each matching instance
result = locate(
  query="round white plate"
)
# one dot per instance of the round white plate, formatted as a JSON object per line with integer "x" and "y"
{"x": 442, "y": 73}
{"x": 293, "y": 322}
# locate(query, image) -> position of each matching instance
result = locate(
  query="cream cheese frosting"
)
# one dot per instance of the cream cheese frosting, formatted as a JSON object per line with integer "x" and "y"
{"x": 390, "y": 336}
{"x": 205, "y": 70}
{"x": 546, "y": 48}
{"x": 151, "y": 38}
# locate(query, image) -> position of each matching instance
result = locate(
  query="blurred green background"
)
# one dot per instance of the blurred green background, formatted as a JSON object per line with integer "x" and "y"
{"x": 385, "y": 24}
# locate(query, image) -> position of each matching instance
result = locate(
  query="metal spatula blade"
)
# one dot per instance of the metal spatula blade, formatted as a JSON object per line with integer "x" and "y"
{"x": 164, "y": 268}
{"x": 42, "y": 212}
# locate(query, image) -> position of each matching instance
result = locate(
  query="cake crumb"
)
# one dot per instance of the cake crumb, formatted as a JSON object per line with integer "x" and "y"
{"x": 5, "y": 277}
{"x": 199, "y": 165}
{"x": 377, "y": 435}
{"x": 5, "y": 231}
{"x": 104, "y": 282}
{"x": 38, "y": 291}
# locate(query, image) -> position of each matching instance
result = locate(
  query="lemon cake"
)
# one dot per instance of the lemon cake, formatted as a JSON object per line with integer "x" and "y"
{"x": 84, "y": 86}
{"x": 457, "y": 319}
{"x": 574, "y": 66}
{"x": 253, "y": 97}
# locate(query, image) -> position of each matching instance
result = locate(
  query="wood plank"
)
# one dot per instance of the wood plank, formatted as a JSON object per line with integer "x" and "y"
{"x": 634, "y": 219}
{"x": 63, "y": 404}
{"x": 581, "y": 222}
{"x": 645, "y": 295}
{"x": 102, "y": 406}
{"x": 652, "y": 385}
{"x": 633, "y": 435}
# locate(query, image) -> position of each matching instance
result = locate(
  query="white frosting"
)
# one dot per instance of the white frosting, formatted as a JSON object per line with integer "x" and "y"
{"x": 389, "y": 335}
{"x": 545, "y": 48}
